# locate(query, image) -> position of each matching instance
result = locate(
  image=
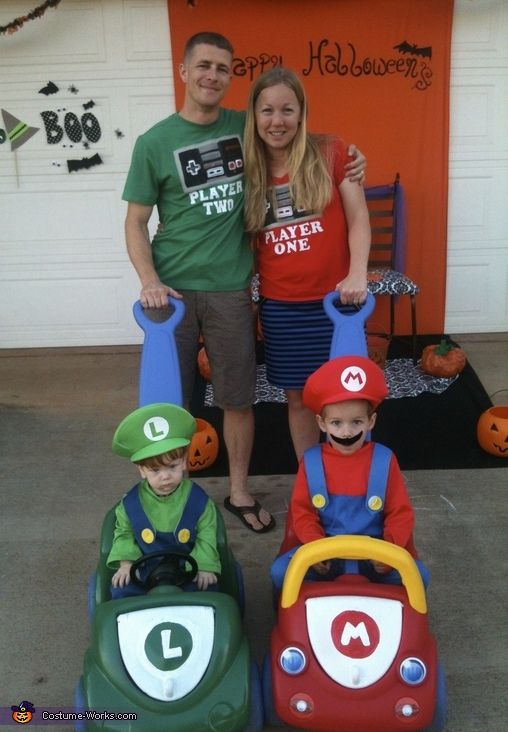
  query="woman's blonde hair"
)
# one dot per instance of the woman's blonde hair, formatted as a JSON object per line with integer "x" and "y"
{"x": 309, "y": 163}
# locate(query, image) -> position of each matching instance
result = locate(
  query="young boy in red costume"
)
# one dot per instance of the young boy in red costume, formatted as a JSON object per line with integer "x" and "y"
{"x": 348, "y": 485}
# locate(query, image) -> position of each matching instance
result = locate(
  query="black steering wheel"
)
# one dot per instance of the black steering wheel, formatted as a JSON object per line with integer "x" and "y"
{"x": 169, "y": 571}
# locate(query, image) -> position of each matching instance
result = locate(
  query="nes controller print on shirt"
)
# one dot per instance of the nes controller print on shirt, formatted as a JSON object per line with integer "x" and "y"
{"x": 210, "y": 162}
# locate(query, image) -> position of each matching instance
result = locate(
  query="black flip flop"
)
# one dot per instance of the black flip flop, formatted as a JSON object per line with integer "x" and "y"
{"x": 241, "y": 511}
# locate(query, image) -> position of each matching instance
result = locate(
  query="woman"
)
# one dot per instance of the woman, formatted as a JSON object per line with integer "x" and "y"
{"x": 312, "y": 235}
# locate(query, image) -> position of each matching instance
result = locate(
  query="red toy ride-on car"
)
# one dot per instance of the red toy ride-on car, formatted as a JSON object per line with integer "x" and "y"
{"x": 350, "y": 655}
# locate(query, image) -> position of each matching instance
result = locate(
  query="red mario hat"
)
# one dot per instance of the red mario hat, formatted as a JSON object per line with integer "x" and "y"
{"x": 344, "y": 378}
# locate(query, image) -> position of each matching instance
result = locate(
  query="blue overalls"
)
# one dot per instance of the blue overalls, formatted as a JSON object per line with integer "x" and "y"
{"x": 181, "y": 540}
{"x": 340, "y": 514}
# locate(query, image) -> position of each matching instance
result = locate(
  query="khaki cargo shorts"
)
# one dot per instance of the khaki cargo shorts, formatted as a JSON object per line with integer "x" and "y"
{"x": 226, "y": 322}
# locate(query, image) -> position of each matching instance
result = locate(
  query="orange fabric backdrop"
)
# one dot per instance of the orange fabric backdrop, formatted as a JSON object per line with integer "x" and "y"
{"x": 377, "y": 74}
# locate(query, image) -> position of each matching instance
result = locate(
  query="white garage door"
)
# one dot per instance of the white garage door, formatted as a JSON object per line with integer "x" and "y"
{"x": 477, "y": 264}
{"x": 65, "y": 278}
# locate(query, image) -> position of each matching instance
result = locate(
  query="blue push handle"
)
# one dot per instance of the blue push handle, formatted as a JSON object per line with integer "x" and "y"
{"x": 159, "y": 375}
{"x": 348, "y": 330}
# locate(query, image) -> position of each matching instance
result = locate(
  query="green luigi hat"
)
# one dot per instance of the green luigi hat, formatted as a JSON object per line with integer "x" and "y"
{"x": 153, "y": 430}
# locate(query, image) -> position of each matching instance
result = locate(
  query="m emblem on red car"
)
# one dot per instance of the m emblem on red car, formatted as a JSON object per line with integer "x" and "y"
{"x": 355, "y": 634}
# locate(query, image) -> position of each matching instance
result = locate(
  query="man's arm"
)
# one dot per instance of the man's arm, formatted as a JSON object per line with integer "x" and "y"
{"x": 355, "y": 170}
{"x": 154, "y": 293}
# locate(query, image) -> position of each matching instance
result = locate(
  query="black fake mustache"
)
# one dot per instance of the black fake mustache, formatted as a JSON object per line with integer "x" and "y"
{"x": 347, "y": 440}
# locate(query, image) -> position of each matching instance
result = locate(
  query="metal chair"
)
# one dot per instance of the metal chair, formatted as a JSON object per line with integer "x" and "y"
{"x": 386, "y": 276}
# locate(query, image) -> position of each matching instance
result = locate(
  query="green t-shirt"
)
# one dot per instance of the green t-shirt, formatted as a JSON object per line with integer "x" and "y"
{"x": 194, "y": 175}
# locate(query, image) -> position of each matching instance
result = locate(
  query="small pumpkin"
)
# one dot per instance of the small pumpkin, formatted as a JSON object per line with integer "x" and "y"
{"x": 443, "y": 359}
{"x": 492, "y": 431}
{"x": 204, "y": 446}
{"x": 204, "y": 364}
{"x": 22, "y": 717}
{"x": 24, "y": 713}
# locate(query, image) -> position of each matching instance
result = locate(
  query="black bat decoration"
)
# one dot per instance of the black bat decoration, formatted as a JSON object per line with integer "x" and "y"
{"x": 412, "y": 48}
{"x": 84, "y": 163}
{"x": 89, "y": 105}
{"x": 50, "y": 88}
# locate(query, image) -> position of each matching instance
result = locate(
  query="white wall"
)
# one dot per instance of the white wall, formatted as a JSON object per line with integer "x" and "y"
{"x": 65, "y": 279}
{"x": 477, "y": 271}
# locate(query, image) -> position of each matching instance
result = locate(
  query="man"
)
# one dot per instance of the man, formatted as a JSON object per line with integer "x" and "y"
{"x": 191, "y": 166}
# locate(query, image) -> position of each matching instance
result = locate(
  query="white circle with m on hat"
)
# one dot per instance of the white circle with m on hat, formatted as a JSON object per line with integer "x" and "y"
{"x": 156, "y": 428}
{"x": 353, "y": 378}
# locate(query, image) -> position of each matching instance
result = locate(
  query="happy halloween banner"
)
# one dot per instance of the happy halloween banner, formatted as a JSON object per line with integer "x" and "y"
{"x": 377, "y": 74}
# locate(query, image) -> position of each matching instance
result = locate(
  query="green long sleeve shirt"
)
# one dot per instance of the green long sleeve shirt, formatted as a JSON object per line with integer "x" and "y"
{"x": 164, "y": 513}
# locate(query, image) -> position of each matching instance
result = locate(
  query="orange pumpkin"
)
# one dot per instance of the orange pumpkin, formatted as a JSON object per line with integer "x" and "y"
{"x": 204, "y": 446}
{"x": 204, "y": 364}
{"x": 23, "y": 713}
{"x": 492, "y": 431}
{"x": 443, "y": 359}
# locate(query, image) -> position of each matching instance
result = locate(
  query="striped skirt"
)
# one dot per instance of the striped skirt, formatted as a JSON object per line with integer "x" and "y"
{"x": 297, "y": 339}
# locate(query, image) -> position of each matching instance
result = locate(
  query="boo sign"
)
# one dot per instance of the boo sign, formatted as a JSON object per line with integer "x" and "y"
{"x": 74, "y": 127}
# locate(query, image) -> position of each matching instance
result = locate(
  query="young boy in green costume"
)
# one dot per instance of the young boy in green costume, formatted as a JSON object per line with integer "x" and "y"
{"x": 165, "y": 511}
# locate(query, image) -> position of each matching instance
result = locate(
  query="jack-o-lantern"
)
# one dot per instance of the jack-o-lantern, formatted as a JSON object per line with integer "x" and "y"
{"x": 204, "y": 364}
{"x": 492, "y": 431}
{"x": 23, "y": 713}
{"x": 204, "y": 446}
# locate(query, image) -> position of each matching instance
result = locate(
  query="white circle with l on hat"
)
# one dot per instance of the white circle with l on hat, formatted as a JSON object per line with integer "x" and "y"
{"x": 353, "y": 378}
{"x": 156, "y": 428}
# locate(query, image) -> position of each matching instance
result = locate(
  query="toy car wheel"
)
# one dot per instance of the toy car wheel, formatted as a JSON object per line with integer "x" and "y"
{"x": 91, "y": 596}
{"x": 271, "y": 718}
{"x": 440, "y": 712}
{"x": 241, "y": 588}
{"x": 256, "y": 701}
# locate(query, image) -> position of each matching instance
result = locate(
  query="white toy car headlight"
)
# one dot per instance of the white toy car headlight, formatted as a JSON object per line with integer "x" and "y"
{"x": 292, "y": 660}
{"x": 413, "y": 671}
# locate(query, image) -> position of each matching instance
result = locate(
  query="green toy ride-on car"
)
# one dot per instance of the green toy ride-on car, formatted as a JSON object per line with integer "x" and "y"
{"x": 169, "y": 659}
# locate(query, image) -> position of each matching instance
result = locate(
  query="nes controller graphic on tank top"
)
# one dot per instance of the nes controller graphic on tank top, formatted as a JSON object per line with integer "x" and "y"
{"x": 280, "y": 207}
